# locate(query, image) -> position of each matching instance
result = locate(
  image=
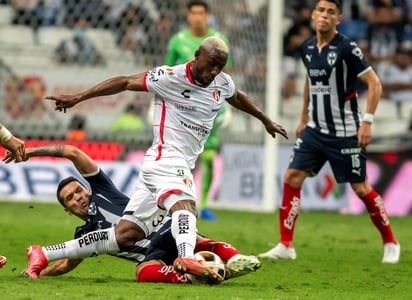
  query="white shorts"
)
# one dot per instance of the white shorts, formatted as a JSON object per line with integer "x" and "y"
{"x": 160, "y": 185}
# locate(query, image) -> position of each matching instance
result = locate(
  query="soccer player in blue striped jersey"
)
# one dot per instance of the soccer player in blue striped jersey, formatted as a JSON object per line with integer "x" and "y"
{"x": 332, "y": 128}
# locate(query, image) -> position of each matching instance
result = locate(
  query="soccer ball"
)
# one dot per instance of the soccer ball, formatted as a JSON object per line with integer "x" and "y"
{"x": 211, "y": 260}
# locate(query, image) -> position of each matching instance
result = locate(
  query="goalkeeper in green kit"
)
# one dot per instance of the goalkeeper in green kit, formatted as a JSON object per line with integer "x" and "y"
{"x": 181, "y": 47}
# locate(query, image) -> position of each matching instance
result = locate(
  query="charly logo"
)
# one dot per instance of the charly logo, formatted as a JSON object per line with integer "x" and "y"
{"x": 331, "y": 58}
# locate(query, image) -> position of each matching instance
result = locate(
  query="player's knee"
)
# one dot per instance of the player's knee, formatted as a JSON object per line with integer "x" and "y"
{"x": 361, "y": 189}
{"x": 188, "y": 205}
{"x": 127, "y": 234}
{"x": 295, "y": 177}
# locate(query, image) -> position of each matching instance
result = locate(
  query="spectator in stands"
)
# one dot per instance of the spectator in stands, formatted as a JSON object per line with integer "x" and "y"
{"x": 26, "y": 12}
{"x": 159, "y": 34}
{"x": 79, "y": 49}
{"x": 131, "y": 30}
{"x": 354, "y": 18}
{"x": 77, "y": 129}
{"x": 397, "y": 77}
{"x": 300, "y": 30}
{"x": 293, "y": 6}
{"x": 129, "y": 120}
{"x": 255, "y": 78}
{"x": 384, "y": 32}
{"x": 90, "y": 10}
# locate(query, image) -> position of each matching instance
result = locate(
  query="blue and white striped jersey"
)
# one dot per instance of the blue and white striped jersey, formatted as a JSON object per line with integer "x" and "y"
{"x": 332, "y": 73}
{"x": 106, "y": 206}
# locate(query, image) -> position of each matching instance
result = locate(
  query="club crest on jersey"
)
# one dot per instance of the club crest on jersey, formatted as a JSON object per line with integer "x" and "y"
{"x": 92, "y": 209}
{"x": 331, "y": 58}
{"x": 216, "y": 95}
{"x": 170, "y": 71}
{"x": 187, "y": 181}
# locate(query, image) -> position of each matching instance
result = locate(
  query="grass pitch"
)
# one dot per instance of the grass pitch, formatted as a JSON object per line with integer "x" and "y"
{"x": 338, "y": 258}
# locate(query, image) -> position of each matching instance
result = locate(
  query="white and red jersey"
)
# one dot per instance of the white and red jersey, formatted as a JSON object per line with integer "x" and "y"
{"x": 183, "y": 111}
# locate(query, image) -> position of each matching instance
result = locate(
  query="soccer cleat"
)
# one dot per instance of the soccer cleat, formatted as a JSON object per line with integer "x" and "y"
{"x": 3, "y": 261}
{"x": 201, "y": 272}
{"x": 240, "y": 265}
{"x": 37, "y": 261}
{"x": 391, "y": 253}
{"x": 207, "y": 215}
{"x": 280, "y": 251}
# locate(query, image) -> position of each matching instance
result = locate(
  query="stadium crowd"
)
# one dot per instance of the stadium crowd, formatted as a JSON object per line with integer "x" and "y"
{"x": 382, "y": 28}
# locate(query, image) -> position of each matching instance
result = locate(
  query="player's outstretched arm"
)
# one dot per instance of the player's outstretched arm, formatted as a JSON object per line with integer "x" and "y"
{"x": 110, "y": 86}
{"x": 83, "y": 163}
{"x": 242, "y": 102}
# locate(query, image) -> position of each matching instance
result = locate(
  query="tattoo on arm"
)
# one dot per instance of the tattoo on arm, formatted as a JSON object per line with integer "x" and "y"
{"x": 54, "y": 150}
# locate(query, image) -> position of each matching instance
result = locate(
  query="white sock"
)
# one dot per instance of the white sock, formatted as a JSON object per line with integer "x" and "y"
{"x": 90, "y": 244}
{"x": 184, "y": 232}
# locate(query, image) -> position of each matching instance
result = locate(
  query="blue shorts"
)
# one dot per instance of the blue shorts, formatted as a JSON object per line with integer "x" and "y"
{"x": 313, "y": 149}
{"x": 162, "y": 246}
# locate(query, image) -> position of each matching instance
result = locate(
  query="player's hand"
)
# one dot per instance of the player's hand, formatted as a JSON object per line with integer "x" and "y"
{"x": 272, "y": 128}
{"x": 63, "y": 102}
{"x": 15, "y": 146}
{"x": 364, "y": 134}
{"x": 11, "y": 156}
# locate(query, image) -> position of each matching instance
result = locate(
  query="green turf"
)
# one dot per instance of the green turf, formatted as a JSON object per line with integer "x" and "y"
{"x": 338, "y": 258}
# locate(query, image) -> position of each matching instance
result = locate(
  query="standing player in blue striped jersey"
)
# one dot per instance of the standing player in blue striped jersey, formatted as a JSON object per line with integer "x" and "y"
{"x": 332, "y": 128}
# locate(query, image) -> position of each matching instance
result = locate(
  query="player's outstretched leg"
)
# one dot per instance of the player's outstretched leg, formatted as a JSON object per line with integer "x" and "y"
{"x": 37, "y": 261}
{"x": 192, "y": 266}
{"x": 240, "y": 265}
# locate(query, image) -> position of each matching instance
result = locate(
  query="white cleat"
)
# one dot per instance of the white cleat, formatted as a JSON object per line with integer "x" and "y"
{"x": 280, "y": 251}
{"x": 240, "y": 265}
{"x": 391, "y": 253}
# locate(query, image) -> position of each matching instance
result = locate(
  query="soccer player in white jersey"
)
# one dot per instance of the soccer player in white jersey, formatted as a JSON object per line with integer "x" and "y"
{"x": 187, "y": 99}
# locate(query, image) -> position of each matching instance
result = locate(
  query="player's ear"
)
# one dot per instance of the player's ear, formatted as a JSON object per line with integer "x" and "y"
{"x": 339, "y": 19}
{"x": 197, "y": 53}
{"x": 88, "y": 192}
{"x": 68, "y": 211}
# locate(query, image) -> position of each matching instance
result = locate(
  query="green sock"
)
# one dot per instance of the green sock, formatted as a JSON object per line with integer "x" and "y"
{"x": 206, "y": 167}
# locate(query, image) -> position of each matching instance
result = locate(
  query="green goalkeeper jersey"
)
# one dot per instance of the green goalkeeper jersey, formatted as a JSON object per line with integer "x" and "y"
{"x": 182, "y": 46}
